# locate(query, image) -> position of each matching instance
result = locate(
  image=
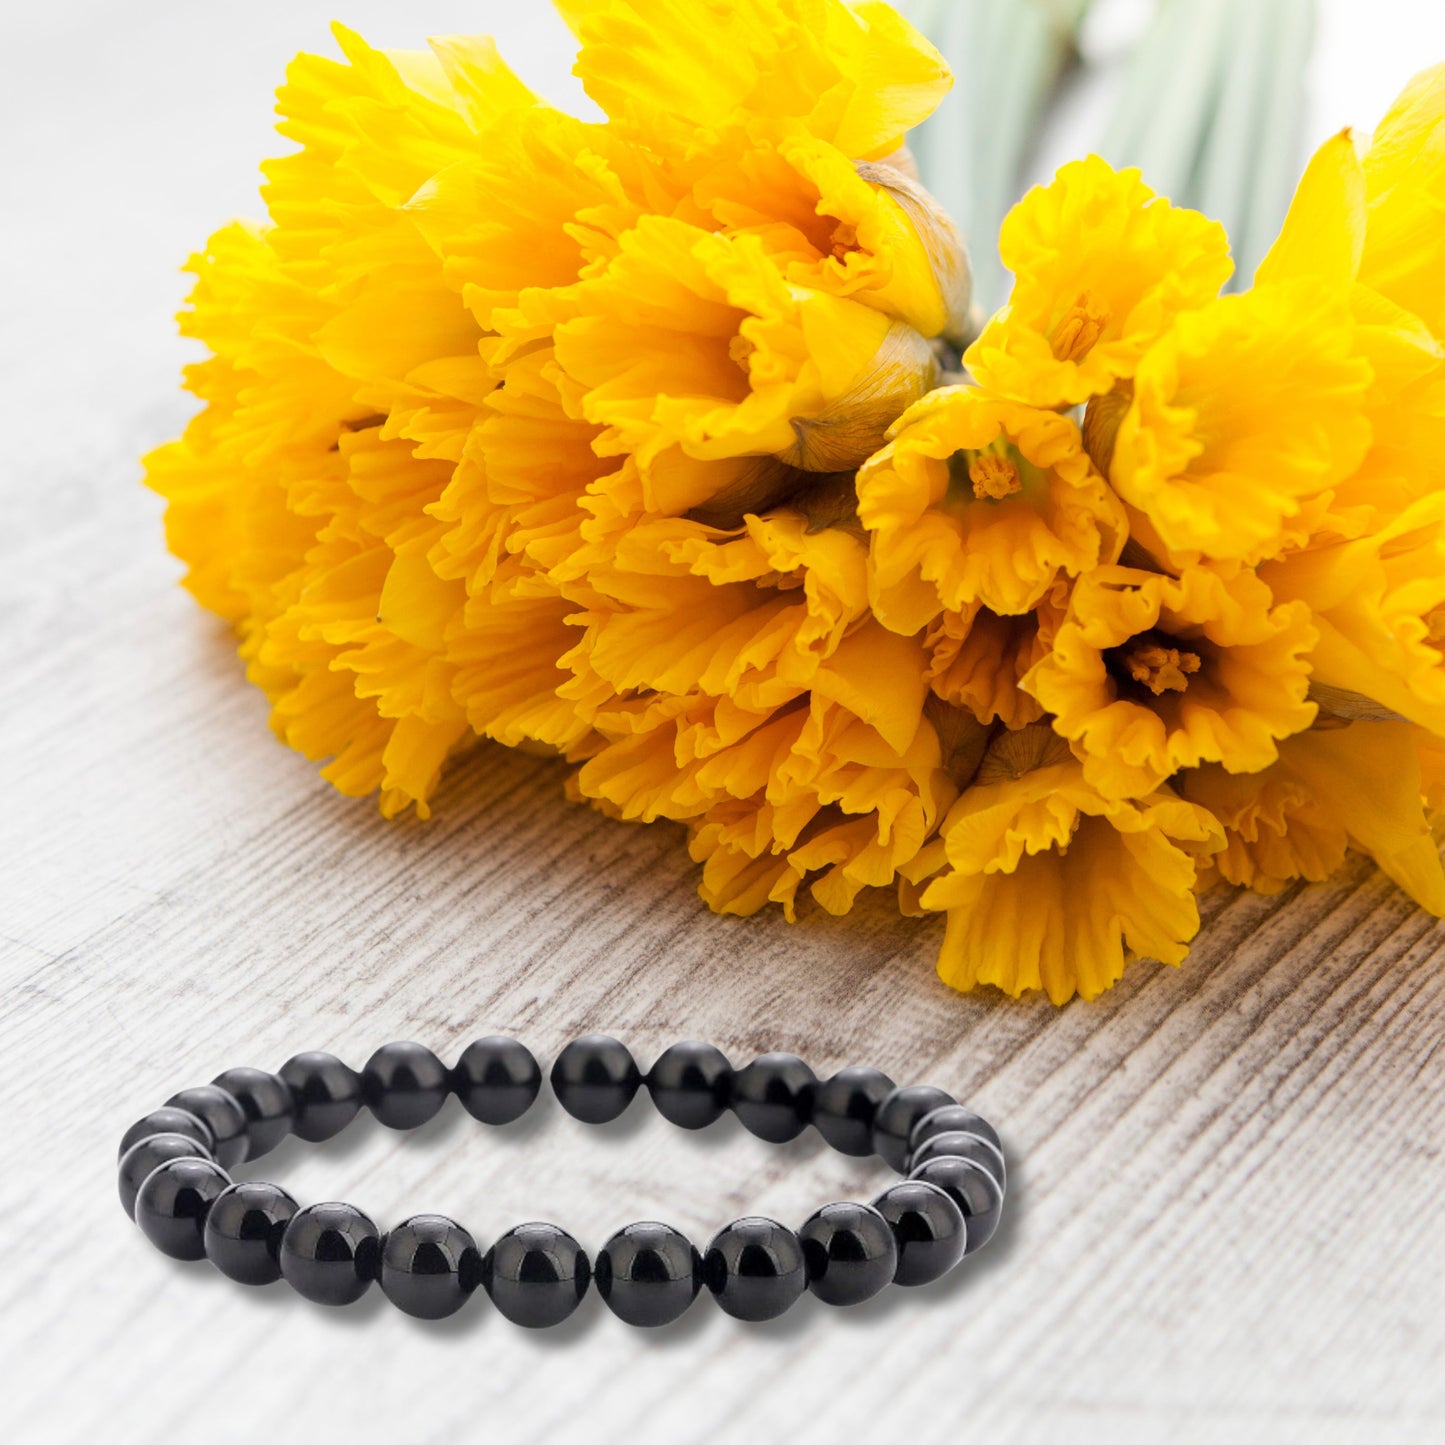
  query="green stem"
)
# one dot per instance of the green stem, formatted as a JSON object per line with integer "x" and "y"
{"x": 1208, "y": 108}
{"x": 1006, "y": 55}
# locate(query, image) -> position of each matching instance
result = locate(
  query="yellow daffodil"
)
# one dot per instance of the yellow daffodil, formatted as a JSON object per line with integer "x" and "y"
{"x": 393, "y": 434}
{"x": 847, "y": 812}
{"x": 517, "y": 486}
{"x": 1049, "y": 885}
{"x": 1149, "y": 674}
{"x": 863, "y": 229}
{"x": 1405, "y": 195}
{"x": 699, "y": 658}
{"x": 1323, "y": 240}
{"x": 1245, "y": 408}
{"x": 693, "y": 339}
{"x": 978, "y": 659}
{"x": 980, "y": 502}
{"x": 1430, "y": 752}
{"x": 1379, "y": 605}
{"x": 1358, "y": 786}
{"x": 543, "y": 201}
{"x": 748, "y": 617}
{"x": 673, "y": 75}
{"x": 300, "y": 516}
{"x": 508, "y": 673}
{"x": 1276, "y": 828}
{"x": 1102, "y": 266}
{"x": 846, "y": 782}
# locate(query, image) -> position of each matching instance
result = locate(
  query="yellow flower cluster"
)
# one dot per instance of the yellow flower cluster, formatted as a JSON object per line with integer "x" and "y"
{"x": 626, "y": 440}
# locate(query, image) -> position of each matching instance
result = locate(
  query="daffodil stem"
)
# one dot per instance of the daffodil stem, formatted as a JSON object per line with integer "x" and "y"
{"x": 1210, "y": 111}
{"x": 1209, "y": 108}
{"x": 1171, "y": 89}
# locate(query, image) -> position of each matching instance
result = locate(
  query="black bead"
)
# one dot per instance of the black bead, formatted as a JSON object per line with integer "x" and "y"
{"x": 850, "y": 1252}
{"x": 595, "y": 1078}
{"x": 404, "y": 1085}
{"x": 844, "y": 1108}
{"x": 243, "y": 1231}
{"x": 928, "y": 1228}
{"x": 325, "y": 1095}
{"x": 496, "y": 1079}
{"x": 953, "y": 1118}
{"x": 691, "y": 1084}
{"x": 755, "y": 1268}
{"x": 648, "y": 1274}
{"x": 166, "y": 1121}
{"x": 429, "y": 1266}
{"x": 222, "y": 1115}
{"x": 957, "y": 1145}
{"x": 172, "y": 1205}
{"x": 536, "y": 1275}
{"x": 150, "y": 1153}
{"x": 330, "y": 1253}
{"x": 896, "y": 1116}
{"x": 265, "y": 1100}
{"x": 972, "y": 1188}
{"x": 773, "y": 1096}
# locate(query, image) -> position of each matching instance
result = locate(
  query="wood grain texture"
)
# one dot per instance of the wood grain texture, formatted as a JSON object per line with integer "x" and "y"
{"x": 1225, "y": 1180}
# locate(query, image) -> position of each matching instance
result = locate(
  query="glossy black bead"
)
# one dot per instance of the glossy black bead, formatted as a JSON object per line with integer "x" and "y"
{"x": 496, "y": 1079}
{"x": 594, "y": 1078}
{"x": 429, "y": 1266}
{"x": 325, "y": 1095}
{"x": 172, "y": 1204}
{"x": 244, "y": 1228}
{"x": 844, "y": 1108}
{"x": 648, "y": 1274}
{"x": 972, "y": 1188}
{"x": 773, "y": 1096}
{"x": 404, "y": 1085}
{"x": 150, "y": 1153}
{"x": 755, "y": 1269}
{"x": 223, "y": 1116}
{"x": 955, "y": 1144}
{"x": 896, "y": 1116}
{"x": 691, "y": 1084}
{"x": 849, "y": 1251}
{"x": 330, "y": 1253}
{"x": 265, "y": 1100}
{"x": 928, "y": 1228}
{"x": 954, "y": 1118}
{"x": 536, "y": 1275}
{"x": 166, "y": 1121}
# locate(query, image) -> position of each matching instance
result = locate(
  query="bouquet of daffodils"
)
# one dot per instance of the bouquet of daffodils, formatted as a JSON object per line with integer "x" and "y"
{"x": 672, "y": 444}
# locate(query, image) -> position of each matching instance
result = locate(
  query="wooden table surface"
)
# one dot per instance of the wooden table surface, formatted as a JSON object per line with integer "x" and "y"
{"x": 1226, "y": 1181}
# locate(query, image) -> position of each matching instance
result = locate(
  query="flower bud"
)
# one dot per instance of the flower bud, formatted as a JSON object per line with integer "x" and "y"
{"x": 941, "y": 239}
{"x": 855, "y": 424}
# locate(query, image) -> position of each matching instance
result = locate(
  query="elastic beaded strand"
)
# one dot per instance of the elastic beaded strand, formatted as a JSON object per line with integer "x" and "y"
{"x": 175, "y": 1184}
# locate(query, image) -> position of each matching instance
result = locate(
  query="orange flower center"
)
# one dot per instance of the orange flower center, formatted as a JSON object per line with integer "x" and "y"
{"x": 1160, "y": 669}
{"x": 1435, "y": 626}
{"x": 994, "y": 477}
{"x": 845, "y": 239}
{"x": 740, "y": 351}
{"x": 1079, "y": 329}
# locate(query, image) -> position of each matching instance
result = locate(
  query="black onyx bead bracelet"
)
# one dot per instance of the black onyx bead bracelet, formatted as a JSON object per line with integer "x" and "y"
{"x": 175, "y": 1185}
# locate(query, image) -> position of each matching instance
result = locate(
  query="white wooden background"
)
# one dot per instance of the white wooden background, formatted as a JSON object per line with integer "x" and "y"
{"x": 1226, "y": 1182}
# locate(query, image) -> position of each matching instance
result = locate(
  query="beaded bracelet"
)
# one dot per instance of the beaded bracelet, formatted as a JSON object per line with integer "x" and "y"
{"x": 174, "y": 1184}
